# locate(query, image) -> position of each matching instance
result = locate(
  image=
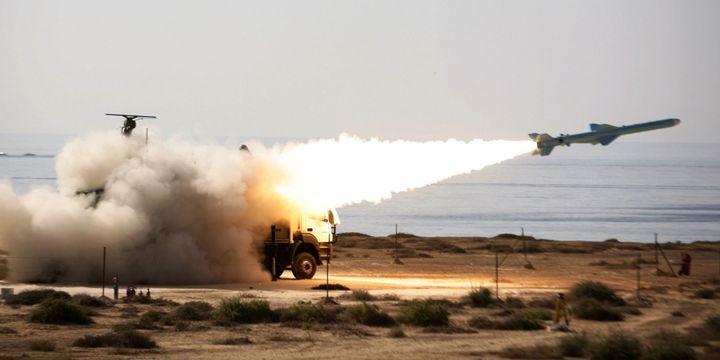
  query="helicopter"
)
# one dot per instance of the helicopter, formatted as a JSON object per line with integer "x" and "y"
{"x": 130, "y": 123}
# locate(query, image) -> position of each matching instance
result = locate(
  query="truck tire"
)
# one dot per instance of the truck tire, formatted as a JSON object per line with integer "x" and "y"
{"x": 304, "y": 266}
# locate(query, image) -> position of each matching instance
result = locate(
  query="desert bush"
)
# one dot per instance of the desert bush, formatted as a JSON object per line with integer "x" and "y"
{"x": 129, "y": 311}
{"x": 32, "y": 297}
{"x": 545, "y": 303}
{"x": 480, "y": 297}
{"x": 669, "y": 352}
{"x": 233, "y": 341}
{"x": 145, "y": 300}
{"x": 540, "y": 351}
{"x": 362, "y": 295}
{"x": 237, "y": 310}
{"x": 124, "y": 339}
{"x": 148, "y": 319}
{"x": 58, "y": 311}
{"x": 521, "y": 320}
{"x": 574, "y": 345}
{"x": 616, "y": 346}
{"x": 595, "y": 290}
{"x": 705, "y": 294}
{"x": 481, "y": 322}
{"x": 423, "y": 313}
{"x": 193, "y": 311}
{"x": 367, "y": 315}
{"x": 713, "y": 322}
{"x": 539, "y": 313}
{"x": 389, "y": 297}
{"x": 331, "y": 287}
{"x": 514, "y": 302}
{"x": 41, "y": 345}
{"x": 7, "y": 330}
{"x": 89, "y": 301}
{"x": 591, "y": 309}
{"x": 630, "y": 310}
{"x": 307, "y": 313}
{"x": 396, "y": 332}
{"x": 188, "y": 326}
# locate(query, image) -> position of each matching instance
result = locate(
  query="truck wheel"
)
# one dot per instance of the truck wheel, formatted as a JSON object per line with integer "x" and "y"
{"x": 304, "y": 266}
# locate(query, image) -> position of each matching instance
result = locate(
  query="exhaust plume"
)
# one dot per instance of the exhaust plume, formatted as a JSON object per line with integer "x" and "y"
{"x": 179, "y": 213}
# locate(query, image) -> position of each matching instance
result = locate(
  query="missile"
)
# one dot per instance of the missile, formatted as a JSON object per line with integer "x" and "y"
{"x": 599, "y": 134}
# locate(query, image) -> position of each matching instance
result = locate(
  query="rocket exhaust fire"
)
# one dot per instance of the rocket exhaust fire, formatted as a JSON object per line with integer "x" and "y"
{"x": 178, "y": 213}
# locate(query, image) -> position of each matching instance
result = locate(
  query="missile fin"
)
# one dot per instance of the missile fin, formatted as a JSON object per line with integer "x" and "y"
{"x": 607, "y": 139}
{"x": 602, "y": 127}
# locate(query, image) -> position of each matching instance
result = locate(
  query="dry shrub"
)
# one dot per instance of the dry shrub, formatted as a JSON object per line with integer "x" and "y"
{"x": 307, "y": 313}
{"x": 574, "y": 345}
{"x": 123, "y": 339}
{"x": 396, "y": 332}
{"x": 669, "y": 352}
{"x": 545, "y": 303}
{"x": 591, "y": 309}
{"x": 237, "y": 310}
{"x": 41, "y": 345}
{"x": 129, "y": 311}
{"x": 705, "y": 294}
{"x": 530, "y": 352}
{"x": 480, "y": 297}
{"x": 32, "y": 297}
{"x": 145, "y": 300}
{"x": 331, "y": 287}
{"x": 149, "y": 319}
{"x": 58, "y": 311}
{"x": 233, "y": 341}
{"x": 713, "y": 322}
{"x": 595, "y": 290}
{"x": 90, "y": 301}
{"x": 514, "y": 302}
{"x": 7, "y": 330}
{"x": 616, "y": 346}
{"x": 520, "y": 320}
{"x": 367, "y": 314}
{"x": 193, "y": 311}
{"x": 423, "y": 313}
{"x": 361, "y": 295}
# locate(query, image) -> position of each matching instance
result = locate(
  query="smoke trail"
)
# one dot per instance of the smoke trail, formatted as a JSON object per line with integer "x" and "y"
{"x": 187, "y": 213}
{"x": 349, "y": 170}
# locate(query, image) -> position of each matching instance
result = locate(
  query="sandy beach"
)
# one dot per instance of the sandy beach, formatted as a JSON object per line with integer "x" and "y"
{"x": 437, "y": 268}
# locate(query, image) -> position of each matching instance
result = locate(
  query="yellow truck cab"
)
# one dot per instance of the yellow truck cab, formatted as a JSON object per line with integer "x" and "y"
{"x": 301, "y": 244}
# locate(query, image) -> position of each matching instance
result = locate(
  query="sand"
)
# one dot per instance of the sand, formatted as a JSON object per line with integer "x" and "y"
{"x": 442, "y": 268}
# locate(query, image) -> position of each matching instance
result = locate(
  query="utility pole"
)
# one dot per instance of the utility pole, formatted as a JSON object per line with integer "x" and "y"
{"x": 522, "y": 236}
{"x": 657, "y": 259}
{"x": 396, "y": 242}
{"x": 396, "y": 259}
{"x": 103, "y": 273}
{"x": 273, "y": 261}
{"x": 497, "y": 277}
{"x": 637, "y": 288}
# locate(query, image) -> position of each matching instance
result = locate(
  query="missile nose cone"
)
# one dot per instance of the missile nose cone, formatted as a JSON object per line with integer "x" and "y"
{"x": 675, "y": 121}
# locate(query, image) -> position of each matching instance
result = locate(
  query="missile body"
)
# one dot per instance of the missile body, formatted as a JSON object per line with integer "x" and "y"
{"x": 599, "y": 133}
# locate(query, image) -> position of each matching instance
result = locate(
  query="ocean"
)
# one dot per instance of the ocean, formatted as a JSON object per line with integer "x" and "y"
{"x": 626, "y": 191}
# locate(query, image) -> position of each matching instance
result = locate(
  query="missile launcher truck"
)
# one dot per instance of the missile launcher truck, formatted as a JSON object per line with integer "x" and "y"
{"x": 301, "y": 244}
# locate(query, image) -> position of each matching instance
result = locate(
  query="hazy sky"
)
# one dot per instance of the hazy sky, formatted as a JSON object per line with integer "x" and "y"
{"x": 393, "y": 69}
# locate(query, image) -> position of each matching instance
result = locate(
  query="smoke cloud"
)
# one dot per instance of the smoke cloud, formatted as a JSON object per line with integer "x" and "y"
{"x": 181, "y": 213}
